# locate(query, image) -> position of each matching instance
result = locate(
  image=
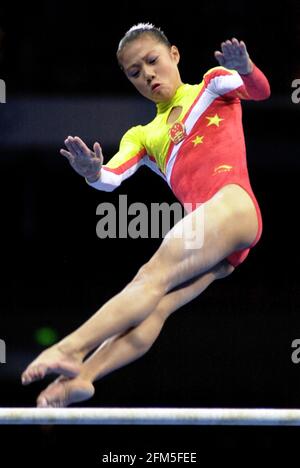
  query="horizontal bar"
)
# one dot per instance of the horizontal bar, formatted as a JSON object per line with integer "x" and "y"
{"x": 152, "y": 416}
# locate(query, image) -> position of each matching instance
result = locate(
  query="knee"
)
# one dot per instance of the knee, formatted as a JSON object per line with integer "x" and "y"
{"x": 223, "y": 269}
{"x": 140, "y": 341}
{"x": 150, "y": 274}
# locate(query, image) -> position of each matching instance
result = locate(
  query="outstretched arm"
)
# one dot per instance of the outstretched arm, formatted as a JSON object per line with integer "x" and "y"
{"x": 107, "y": 177}
{"x": 234, "y": 56}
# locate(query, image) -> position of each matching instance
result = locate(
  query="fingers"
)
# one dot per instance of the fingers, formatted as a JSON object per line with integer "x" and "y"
{"x": 77, "y": 148}
{"x": 243, "y": 48}
{"x": 81, "y": 147}
{"x": 98, "y": 151}
{"x": 219, "y": 56}
{"x": 68, "y": 155}
{"x": 83, "y": 160}
{"x": 228, "y": 49}
{"x": 69, "y": 142}
{"x": 233, "y": 48}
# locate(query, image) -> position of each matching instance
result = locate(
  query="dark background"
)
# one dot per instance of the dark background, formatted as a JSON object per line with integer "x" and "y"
{"x": 231, "y": 347}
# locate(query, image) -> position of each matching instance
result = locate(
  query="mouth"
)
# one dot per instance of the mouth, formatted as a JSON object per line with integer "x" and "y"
{"x": 155, "y": 87}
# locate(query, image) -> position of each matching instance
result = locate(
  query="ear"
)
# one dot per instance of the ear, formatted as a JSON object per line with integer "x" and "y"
{"x": 175, "y": 54}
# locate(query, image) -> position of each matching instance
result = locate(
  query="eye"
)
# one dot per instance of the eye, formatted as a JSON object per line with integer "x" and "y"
{"x": 134, "y": 74}
{"x": 153, "y": 60}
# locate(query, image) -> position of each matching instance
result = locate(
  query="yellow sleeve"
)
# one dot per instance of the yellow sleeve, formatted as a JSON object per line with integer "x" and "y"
{"x": 124, "y": 163}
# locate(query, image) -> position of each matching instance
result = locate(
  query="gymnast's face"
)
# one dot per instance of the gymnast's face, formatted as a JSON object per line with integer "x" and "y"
{"x": 151, "y": 67}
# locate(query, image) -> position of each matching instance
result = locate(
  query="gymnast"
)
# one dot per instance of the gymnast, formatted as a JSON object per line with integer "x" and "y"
{"x": 196, "y": 144}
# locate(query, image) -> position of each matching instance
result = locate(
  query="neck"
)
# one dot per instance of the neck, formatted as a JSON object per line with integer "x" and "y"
{"x": 164, "y": 105}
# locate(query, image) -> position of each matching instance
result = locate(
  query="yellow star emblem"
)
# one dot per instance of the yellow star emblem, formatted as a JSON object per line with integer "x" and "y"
{"x": 198, "y": 140}
{"x": 215, "y": 120}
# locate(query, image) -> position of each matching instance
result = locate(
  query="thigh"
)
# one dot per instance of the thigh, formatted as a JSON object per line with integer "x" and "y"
{"x": 199, "y": 241}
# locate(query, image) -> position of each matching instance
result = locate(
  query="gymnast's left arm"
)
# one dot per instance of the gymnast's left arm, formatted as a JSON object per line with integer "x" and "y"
{"x": 234, "y": 56}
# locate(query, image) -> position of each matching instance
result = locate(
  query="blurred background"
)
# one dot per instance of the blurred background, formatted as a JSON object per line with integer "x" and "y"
{"x": 231, "y": 347}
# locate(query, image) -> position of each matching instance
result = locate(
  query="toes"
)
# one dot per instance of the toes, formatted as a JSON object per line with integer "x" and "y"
{"x": 42, "y": 402}
{"x": 39, "y": 371}
{"x": 24, "y": 379}
{"x": 27, "y": 377}
{"x": 53, "y": 397}
{"x": 63, "y": 392}
{"x": 34, "y": 373}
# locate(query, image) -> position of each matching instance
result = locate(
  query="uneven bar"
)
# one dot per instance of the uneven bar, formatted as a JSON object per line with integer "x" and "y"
{"x": 151, "y": 416}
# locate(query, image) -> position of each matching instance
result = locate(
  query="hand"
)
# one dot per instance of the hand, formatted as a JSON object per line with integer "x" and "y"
{"x": 83, "y": 160}
{"x": 234, "y": 56}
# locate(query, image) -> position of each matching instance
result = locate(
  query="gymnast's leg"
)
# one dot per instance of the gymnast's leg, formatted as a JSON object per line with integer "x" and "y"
{"x": 230, "y": 224}
{"x": 122, "y": 349}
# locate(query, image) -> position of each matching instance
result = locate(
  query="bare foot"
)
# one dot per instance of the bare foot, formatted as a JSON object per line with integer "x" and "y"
{"x": 63, "y": 392}
{"x": 52, "y": 360}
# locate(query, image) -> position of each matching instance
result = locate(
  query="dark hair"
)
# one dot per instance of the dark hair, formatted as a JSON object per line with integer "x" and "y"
{"x": 138, "y": 30}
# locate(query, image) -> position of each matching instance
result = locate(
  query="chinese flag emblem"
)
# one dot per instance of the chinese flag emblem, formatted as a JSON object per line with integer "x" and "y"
{"x": 177, "y": 132}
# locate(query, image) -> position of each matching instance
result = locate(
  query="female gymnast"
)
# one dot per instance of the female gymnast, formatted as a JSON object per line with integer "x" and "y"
{"x": 196, "y": 143}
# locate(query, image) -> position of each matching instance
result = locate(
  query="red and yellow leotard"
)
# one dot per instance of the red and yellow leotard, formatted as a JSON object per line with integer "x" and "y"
{"x": 211, "y": 155}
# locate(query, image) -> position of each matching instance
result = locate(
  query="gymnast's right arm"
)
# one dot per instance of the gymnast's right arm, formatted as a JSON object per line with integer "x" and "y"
{"x": 122, "y": 165}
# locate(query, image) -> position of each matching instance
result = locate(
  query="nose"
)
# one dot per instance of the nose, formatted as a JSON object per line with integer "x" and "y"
{"x": 149, "y": 73}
